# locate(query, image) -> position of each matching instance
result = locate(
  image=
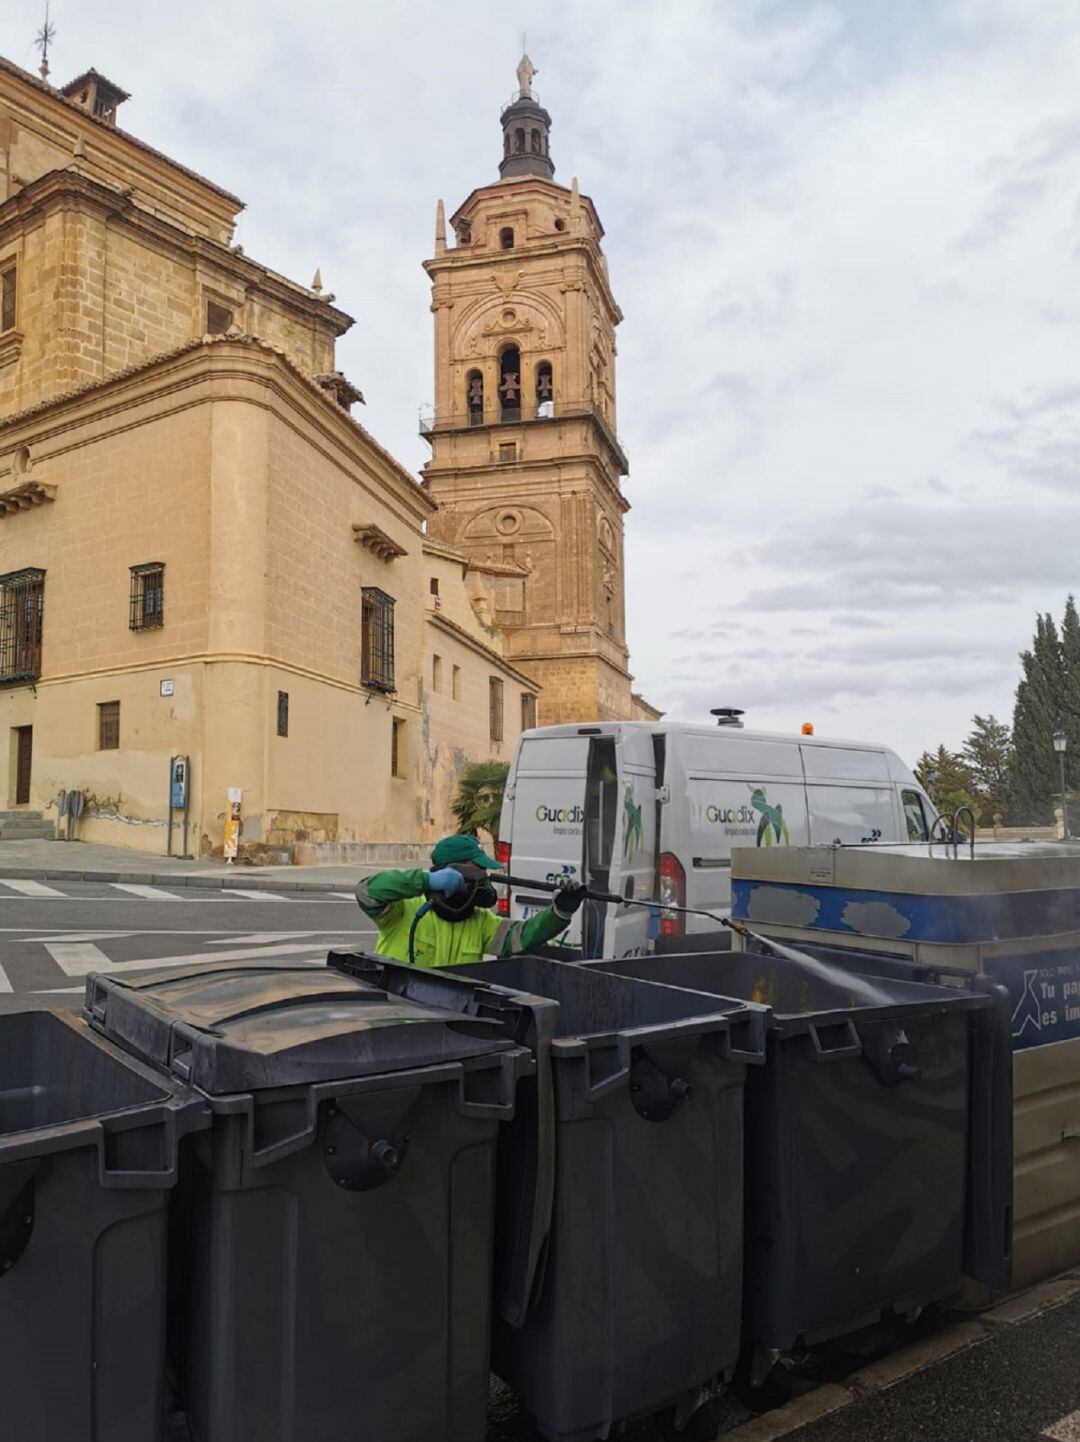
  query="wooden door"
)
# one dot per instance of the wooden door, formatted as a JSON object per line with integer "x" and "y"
{"x": 22, "y": 766}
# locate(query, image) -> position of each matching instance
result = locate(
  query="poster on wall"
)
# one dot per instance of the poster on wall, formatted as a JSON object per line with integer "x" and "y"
{"x": 232, "y": 824}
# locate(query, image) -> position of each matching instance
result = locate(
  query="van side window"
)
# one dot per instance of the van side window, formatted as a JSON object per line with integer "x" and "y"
{"x": 850, "y": 815}
{"x": 915, "y": 816}
{"x": 601, "y": 808}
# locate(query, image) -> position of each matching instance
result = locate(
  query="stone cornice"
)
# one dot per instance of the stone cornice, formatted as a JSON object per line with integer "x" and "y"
{"x": 501, "y": 191}
{"x": 68, "y": 189}
{"x": 220, "y": 359}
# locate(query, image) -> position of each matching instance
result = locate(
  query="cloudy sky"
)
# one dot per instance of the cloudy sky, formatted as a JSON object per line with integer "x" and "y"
{"x": 846, "y": 239}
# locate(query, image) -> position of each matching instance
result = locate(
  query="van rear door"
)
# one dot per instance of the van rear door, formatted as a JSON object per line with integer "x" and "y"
{"x": 620, "y": 841}
{"x": 547, "y": 831}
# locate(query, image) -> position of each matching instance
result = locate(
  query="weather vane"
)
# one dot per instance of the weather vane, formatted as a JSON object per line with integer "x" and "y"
{"x": 45, "y": 36}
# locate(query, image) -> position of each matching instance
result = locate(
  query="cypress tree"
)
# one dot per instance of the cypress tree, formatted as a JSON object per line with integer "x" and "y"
{"x": 1040, "y": 697}
{"x": 1070, "y": 701}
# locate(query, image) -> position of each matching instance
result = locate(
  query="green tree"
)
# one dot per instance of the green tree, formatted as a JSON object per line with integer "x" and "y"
{"x": 1040, "y": 704}
{"x": 479, "y": 796}
{"x": 1070, "y": 707}
{"x": 987, "y": 753}
{"x": 948, "y": 780}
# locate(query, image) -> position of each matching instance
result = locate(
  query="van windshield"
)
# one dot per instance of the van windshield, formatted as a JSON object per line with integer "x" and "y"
{"x": 915, "y": 816}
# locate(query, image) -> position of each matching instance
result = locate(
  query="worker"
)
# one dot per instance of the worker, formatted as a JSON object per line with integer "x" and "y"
{"x": 455, "y": 898}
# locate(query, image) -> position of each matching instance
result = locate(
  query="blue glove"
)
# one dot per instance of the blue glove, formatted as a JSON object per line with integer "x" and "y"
{"x": 446, "y": 881}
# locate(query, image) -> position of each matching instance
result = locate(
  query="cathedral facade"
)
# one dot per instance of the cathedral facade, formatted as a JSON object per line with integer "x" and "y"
{"x": 205, "y": 557}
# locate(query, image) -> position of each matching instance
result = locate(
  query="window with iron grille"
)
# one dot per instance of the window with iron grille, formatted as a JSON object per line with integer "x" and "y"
{"x": 108, "y": 725}
{"x": 147, "y": 596}
{"x": 377, "y": 640}
{"x": 495, "y": 703}
{"x": 22, "y": 613}
{"x": 283, "y": 713}
{"x": 528, "y": 710}
{"x": 8, "y": 292}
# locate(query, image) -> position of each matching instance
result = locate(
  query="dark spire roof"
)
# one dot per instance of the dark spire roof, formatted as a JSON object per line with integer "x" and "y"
{"x": 526, "y": 130}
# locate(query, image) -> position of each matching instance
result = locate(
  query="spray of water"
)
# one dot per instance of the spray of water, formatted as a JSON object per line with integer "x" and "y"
{"x": 859, "y": 988}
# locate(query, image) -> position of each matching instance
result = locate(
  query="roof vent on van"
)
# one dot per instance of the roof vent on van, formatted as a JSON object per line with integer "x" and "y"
{"x": 728, "y": 715}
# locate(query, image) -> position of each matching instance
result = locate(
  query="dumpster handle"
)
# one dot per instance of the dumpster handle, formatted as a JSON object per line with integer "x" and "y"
{"x": 835, "y": 1040}
{"x": 491, "y": 1092}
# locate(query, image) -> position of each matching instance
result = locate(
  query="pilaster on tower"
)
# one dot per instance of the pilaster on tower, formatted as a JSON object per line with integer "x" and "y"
{"x": 526, "y": 462}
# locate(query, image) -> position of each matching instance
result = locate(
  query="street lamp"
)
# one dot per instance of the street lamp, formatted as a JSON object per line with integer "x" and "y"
{"x": 1060, "y": 743}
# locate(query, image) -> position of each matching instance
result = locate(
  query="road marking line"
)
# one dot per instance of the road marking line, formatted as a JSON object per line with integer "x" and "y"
{"x": 34, "y": 888}
{"x": 78, "y": 958}
{"x": 5, "y": 984}
{"x": 254, "y": 895}
{"x": 312, "y": 961}
{"x": 345, "y": 895}
{"x": 162, "y": 963}
{"x": 1067, "y": 1430}
{"x": 151, "y": 893}
{"x": 30, "y": 933}
{"x": 256, "y": 953}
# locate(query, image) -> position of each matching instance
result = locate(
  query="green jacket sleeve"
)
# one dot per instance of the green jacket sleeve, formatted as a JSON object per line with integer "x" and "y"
{"x": 379, "y": 896}
{"x": 516, "y": 936}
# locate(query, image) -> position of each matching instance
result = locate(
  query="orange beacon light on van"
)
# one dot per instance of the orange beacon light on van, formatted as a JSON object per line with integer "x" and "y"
{"x": 808, "y": 728}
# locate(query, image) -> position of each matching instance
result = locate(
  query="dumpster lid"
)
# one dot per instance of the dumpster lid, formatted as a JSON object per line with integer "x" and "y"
{"x": 244, "y": 1026}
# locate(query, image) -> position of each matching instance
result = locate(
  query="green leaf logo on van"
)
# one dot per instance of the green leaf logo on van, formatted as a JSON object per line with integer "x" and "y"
{"x": 772, "y": 828}
{"x": 633, "y": 832}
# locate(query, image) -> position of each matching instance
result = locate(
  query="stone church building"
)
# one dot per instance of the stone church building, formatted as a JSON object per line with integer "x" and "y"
{"x": 203, "y": 553}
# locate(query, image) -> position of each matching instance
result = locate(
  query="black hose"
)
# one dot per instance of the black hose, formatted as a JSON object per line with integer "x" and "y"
{"x": 420, "y": 911}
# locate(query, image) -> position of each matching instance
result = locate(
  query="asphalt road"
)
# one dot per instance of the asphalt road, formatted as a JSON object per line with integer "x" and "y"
{"x": 52, "y": 934}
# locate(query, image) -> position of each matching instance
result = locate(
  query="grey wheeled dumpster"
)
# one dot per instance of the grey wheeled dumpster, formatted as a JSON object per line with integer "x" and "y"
{"x": 636, "y": 1309}
{"x": 525, "y": 1172}
{"x": 88, "y": 1155}
{"x": 338, "y": 1219}
{"x": 882, "y": 1100}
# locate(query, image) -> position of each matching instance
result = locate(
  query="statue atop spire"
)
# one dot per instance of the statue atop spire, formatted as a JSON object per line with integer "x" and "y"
{"x": 525, "y": 72}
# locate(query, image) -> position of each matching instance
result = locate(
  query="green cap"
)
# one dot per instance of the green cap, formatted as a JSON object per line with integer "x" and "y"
{"x": 461, "y": 848}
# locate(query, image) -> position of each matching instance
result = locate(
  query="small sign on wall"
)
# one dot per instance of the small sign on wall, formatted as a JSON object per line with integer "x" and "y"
{"x": 166, "y": 688}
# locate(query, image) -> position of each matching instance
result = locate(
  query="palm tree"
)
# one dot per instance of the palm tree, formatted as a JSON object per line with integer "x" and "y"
{"x": 479, "y": 797}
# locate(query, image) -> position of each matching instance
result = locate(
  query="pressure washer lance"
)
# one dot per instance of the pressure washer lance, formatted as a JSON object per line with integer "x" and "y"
{"x": 774, "y": 948}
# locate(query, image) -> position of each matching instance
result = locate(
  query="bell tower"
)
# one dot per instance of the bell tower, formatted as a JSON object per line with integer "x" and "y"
{"x": 526, "y": 464}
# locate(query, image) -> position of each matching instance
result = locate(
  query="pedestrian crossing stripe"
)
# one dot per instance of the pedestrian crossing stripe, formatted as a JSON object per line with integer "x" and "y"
{"x": 150, "y": 893}
{"x": 34, "y": 888}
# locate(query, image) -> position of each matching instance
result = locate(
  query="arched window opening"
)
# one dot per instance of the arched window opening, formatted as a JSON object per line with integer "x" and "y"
{"x": 519, "y": 141}
{"x": 534, "y": 139}
{"x": 464, "y": 232}
{"x": 506, "y": 238}
{"x": 560, "y": 224}
{"x": 474, "y": 398}
{"x": 510, "y": 384}
{"x": 545, "y": 391}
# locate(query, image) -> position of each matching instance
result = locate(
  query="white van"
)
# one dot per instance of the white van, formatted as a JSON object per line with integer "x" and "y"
{"x": 653, "y": 810}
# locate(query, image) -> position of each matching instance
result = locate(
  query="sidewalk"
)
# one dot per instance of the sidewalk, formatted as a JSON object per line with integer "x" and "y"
{"x": 84, "y": 861}
{"x": 1006, "y": 1375}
